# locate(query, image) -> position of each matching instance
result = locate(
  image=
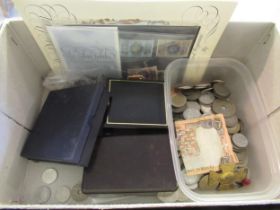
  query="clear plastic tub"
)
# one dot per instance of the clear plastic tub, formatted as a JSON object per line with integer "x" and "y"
{"x": 263, "y": 150}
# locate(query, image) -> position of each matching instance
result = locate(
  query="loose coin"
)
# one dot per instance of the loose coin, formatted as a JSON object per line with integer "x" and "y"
{"x": 77, "y": 194}
{"x": 207, "y": 98}
{"x": 42, "y": 194}
{"x": 193, "y": 105}
{"x": 224, "y": 107}
{"x": 62, "y": 194}
{"x": 235, "y": 129}
{"x": 206, "y": 109}
{"x": 49, "y": 176}
{"x": 179, "y": 109}
{"x": 192, "y": 95}
{"x": 240, "y": 141}
{"x": 190, "y": 113}
{"x": 202, "y": 86}
{"x": 218, "y": 81}
{"x": 178, "y": 100}
{"x": 221, "y": 91}
{"x": 231, "y": 121}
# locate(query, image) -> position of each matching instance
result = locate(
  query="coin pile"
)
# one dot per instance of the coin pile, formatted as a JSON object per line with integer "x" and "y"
{"x": 205, "y": 99}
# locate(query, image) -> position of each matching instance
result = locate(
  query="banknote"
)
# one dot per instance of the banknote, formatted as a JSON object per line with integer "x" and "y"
{"x": 146, "y": 73}
{"x": 203, "y": 142}
{"x": 173, "y": 48}
{"x": 136, "y": 48}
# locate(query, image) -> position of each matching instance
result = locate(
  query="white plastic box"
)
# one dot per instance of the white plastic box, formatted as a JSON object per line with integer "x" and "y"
{"x": 22, "y": 69}
{"x": 263, "y": 153}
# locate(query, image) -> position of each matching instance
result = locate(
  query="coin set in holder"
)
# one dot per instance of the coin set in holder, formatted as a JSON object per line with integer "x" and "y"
{"x": 189, "y": 102}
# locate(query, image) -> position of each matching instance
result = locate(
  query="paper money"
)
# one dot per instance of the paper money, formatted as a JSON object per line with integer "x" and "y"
{"x": 203, "y": 142}
{"x": 173, "y": 48}
{"x": 146, "y": 73}
{"x": 136, "y": 48}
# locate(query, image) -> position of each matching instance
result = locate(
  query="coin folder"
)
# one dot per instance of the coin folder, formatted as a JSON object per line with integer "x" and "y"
{"x": 136, "y": 104}
{"x": 65, "y": 122}
{"x": 131, "y": 162}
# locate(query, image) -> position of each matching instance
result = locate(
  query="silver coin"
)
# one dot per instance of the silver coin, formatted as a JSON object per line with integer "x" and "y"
{"x": 235, "y": 129}
{"x": 77, "y": 194}
{"x": 190, "y": 113}
{"x": 178, "y": 100}
{"x": 207, "y": 90}
{"x": 193, "y": 105}
{"x": 223, "y": 107}
{"x": 206, "y": 109}
{"x": 178, "y": 110}
{"x": 185, "y": 87}
{"x": 231, "y": 121}
{"x": 42, "y": 194}
{"x": 49, "y": 175}
{"x": 221, "y": 91}
{"x": 207, "y": 98}
{"x": 240, "y": 141}
{"x": 62, "y": 194}
{"x": 218, "y": 81}
{"x": 192, "y": 95}
{"x": 202, "y": 86}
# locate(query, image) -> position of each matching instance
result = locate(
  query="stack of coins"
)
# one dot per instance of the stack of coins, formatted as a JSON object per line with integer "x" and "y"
{"x": 208, "y": 98}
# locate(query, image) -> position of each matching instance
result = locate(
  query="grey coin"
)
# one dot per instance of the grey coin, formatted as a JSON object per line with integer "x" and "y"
{"x": 185, "y": 87}
{"x": 178, "y": 110}
{"x": 231, "y": 121}
{"x": 77, "y": 194}
{"x": 62, "y": 194}
{"x": 42, "y": 194}
{"x": 202, "y": 86}
{"x": 235, "y": 129}
{"x": 206, "y": 109}
{"x": 223, "y": 107}
{"x": 190, "y": 113}
{"x": 207, "y": 90}
{"x": 240, "y": 141}
{"x": 218, "y": 81}
{"x": 49, "y": 175}
{"x": 221, "y": 91}
{"x": 192, "y": 95}
{"x": 178, "y": 100}
{"x": 193, "y": 105}
{"x": 207, "y": 98}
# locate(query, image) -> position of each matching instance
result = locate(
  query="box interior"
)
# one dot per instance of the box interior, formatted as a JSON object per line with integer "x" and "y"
{"x": 22, "y": 69}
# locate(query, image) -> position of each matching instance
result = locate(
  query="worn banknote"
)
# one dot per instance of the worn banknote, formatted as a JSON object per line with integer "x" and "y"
{"x": 203, "y": 142}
